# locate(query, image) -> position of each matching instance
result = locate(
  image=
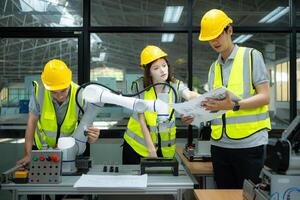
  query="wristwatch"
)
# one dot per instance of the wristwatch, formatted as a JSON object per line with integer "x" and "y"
{"x": 236, "y": 106}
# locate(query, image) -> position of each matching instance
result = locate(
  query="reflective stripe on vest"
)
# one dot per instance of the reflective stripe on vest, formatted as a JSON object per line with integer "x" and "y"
{"x": 243, "y": 123}
{"x": 47, "y": 127}
{"x": 134, "y": 136}
{"x": 151, "y": 128}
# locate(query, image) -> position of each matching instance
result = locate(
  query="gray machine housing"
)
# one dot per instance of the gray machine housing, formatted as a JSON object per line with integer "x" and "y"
{"x": 281, "y": 186}
{"x": 281, "y": 174}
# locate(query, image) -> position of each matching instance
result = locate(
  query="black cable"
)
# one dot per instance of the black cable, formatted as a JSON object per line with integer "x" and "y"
{"x": 126, "y": 95}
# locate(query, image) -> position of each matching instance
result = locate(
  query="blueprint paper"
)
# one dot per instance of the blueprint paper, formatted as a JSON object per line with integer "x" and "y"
{"x": 194, "y": 109}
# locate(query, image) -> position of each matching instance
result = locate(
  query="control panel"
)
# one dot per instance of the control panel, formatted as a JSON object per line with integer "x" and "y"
{"x": 45, "y": 166}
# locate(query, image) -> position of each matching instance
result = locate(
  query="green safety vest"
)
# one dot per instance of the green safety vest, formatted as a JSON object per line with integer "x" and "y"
{"x": 245, "y": 122}
{"x": 134, "y": 135}
{"x": 47, "y": 127}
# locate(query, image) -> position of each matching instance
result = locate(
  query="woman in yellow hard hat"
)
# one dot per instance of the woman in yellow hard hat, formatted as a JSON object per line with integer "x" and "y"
{"x": 53, "y": 112}
{"x": 143, "y": 137}
{"x": 238, "y": 136}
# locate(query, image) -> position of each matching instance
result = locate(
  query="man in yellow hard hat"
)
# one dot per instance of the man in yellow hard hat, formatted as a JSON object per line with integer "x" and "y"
{"x": 53, "y": 112}
{"x": 239, "y": 136}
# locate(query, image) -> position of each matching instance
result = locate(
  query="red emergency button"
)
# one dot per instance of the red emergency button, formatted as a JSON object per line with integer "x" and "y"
{"x": 54, "y": 157}
{"x": 42, "y": 158}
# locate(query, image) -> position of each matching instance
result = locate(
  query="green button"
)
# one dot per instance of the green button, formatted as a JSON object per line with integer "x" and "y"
{"x": 34, "y": 158}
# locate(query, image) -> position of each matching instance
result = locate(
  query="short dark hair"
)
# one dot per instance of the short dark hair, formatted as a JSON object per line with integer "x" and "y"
{"x": 226, "y": 28}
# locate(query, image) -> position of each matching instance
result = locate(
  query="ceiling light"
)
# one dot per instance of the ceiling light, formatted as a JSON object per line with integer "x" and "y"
{"x": 6, "y": 140}
{"x": 172, "y": 14}
{"x": 18, "y": 141}
{"x": 104, "y": 124}
{"x": 242, "y": 38}
{"x": 167, "y": 37}
{"x": 278, "y": 15}
{"x": 275, "y": 14}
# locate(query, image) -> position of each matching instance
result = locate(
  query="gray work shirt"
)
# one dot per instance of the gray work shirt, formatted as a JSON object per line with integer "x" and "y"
{"x": 181, "y": 88}
{"x": 259, "y": 76}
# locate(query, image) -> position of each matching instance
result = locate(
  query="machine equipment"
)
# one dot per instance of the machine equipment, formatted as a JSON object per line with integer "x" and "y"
{"x": 45, "y": 166}
{"x": 200, "y": 151}
{"x": 96, "y": 95}
{"x": 170, "y": 163}
{"x": 281, "y": 174}
{"x": 17, "y": 174}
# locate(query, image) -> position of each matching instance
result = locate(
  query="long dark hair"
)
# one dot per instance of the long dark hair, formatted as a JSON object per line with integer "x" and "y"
{"x": 147, "y": 77}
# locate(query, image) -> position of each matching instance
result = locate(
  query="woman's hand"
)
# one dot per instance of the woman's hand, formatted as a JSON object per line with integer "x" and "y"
{"x": 152, "y": 153}
{"x": 187, "y": 120}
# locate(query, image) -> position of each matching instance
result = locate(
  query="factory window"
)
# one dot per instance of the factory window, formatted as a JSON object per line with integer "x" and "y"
{"x": 297, "y": 12}
{"x": 4, "y": 96}
{"x": 138, "y": 13}
{"x": 247, "y": 13}
{"x": 22, "y": 62}
{"x": 202, "y": 59}
{"x": 17, "y": 94}
{"x": 36, "y": 13}
{"x": 282, "y": 82}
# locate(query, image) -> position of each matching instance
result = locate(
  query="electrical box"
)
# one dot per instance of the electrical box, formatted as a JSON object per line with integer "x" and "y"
{"x": 45, "y": 166}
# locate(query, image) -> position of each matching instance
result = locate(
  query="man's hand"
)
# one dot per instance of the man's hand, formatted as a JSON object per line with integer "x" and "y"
{"x": 25, "y": 160}
{"x": 93, "y": 134}
{"x": 218, "y": 104}
{"x": 187, "y": 120}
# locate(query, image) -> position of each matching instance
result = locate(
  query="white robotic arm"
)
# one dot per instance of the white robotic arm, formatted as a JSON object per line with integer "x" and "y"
{"x": 95, "y": 96}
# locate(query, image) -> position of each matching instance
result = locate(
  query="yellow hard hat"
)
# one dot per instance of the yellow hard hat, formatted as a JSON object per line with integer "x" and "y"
{"x": 151, "y": 53}
{"x": 56, "y": 75}
{"x": 212, "y": 24}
